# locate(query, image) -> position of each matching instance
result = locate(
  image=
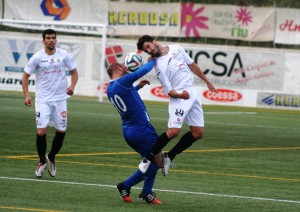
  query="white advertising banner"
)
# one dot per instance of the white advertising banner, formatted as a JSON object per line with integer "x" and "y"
{"x": 238, "y": 73}
{"x": 16, "y": 51}
{"x": 292, "y": 73}
{"x": 74, "y": 11}
{"x": 287, "y": 26}
{"x": 131, "y": 18}
{"x": 157, "y": 19}
{"x": 17, "y": 48}
{"x": 228, "y": 22}
{"x": 192, "y": 20}
{"x": 241, "y": 75}
{"x": 278, "y": 100}
{"x": 243, "y": 68}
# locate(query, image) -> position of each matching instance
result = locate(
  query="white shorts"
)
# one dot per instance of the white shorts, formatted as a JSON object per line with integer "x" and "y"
{"x": 53, "y": 114}
{"x": 186, "y": 109}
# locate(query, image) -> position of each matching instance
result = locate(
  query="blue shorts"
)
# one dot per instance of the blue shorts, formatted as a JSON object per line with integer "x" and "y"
{"x": 140, "y": 138}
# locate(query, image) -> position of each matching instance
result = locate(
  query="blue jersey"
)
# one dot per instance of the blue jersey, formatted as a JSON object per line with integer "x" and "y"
{"x": 126, "y": 99}
{"x": 137, "y": 130}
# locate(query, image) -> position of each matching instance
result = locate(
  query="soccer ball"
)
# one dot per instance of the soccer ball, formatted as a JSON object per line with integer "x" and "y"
{"x": 133, "y": 61}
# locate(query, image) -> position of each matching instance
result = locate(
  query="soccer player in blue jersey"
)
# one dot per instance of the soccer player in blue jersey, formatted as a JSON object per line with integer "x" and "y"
{"x": 137, "y": 130}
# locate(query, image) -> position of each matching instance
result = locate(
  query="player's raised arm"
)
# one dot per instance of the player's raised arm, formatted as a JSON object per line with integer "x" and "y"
{"x": 196, "y": 70}
{"x": 145, "y": 69}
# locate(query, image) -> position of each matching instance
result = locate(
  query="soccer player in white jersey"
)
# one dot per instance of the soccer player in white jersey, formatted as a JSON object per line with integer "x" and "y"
{"x": 174, "y": 69}
{"x": 52, "y": 90}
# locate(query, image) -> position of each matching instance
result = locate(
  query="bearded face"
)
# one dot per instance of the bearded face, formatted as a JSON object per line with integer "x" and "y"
{"x": 152, "y": 49}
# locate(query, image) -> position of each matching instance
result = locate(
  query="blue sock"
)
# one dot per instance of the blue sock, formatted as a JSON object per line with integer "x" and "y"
{"x": 134, "y": 179}
{"x": 149, "y": 178}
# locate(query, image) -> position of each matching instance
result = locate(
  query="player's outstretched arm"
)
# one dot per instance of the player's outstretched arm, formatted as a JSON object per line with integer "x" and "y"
{"x": 143, "y": 70}
{"x": 146, "y": 68}
{"x": 196, "y": 70}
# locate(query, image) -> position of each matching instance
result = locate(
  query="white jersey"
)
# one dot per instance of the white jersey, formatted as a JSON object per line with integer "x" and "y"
{"x": 50, "y": 71}
{"x": 173, "y": 71}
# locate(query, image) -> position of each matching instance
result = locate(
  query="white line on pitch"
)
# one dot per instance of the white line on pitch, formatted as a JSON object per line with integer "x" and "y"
{"x": 162, "y": 190}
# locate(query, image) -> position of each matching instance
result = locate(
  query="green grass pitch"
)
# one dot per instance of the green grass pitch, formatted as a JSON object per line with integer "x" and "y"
{"x": 248, "y": 160}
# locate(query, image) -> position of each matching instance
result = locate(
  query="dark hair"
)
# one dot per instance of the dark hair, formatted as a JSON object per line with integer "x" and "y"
{"x": 111, "y": 69}
{"x": 48, "y": 32}
{"x": 142, "y": 40}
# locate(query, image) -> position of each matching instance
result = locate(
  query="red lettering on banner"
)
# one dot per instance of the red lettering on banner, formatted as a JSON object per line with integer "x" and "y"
{"x": 223, "y": 95}
{"x": 158, "y": 91}
{"x": 289, "y": 26}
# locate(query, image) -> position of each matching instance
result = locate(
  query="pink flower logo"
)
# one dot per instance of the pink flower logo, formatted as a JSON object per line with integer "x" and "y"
{"x": 243, "y": 16}
{"x": 192, "y": 20}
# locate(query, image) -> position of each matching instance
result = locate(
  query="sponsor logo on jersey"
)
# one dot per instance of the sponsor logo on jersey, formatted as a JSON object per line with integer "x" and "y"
{"x": 63, "y": 114}
{"x": 223, "y": 95}
{"x": 158, "y": 92}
